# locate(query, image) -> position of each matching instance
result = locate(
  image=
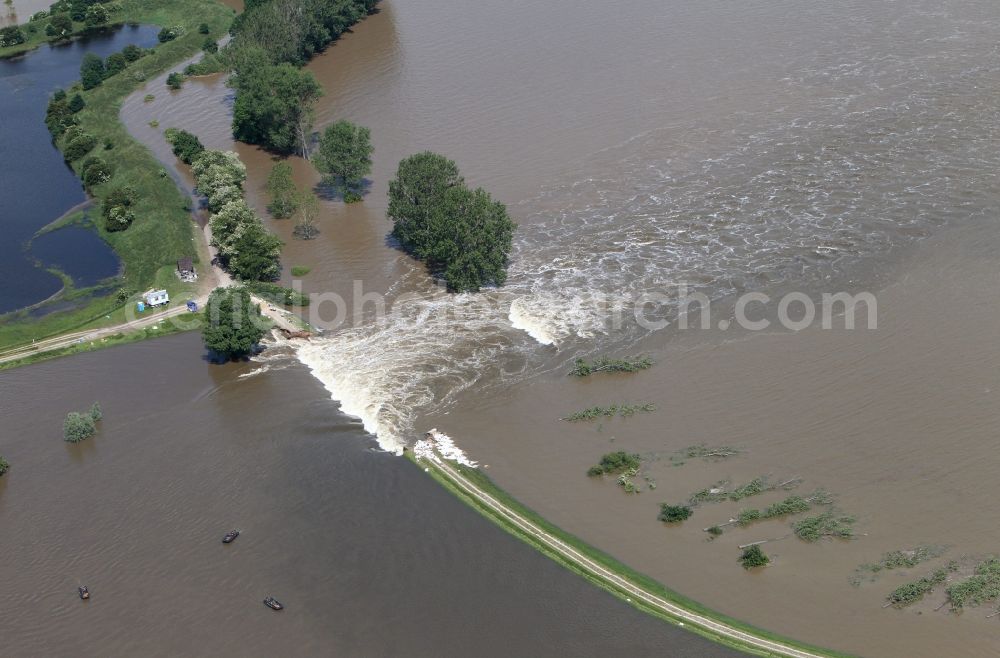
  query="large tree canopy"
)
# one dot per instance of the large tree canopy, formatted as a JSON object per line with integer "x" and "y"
{"x": 345, "y": 156}
{"x": 232, "y": 324}
{"x": 463, "y": 235}
{"x": 420, "y": 183}
{"x": 273, "y": 106}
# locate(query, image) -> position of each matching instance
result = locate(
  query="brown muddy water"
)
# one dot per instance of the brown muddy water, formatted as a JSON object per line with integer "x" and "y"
{"x": 370, "y": 556}
{"x": 739, "y": 147}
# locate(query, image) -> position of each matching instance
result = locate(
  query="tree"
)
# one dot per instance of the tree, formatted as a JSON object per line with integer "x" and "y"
{"x": 186, "y": 146}
{"x": 95, "y": 411}
{"x": 753, "y": 556}
{"x": 4, "y": 465}
{"x": 132, "y": 52}
{"x": 95, "y": 171}
{"x": 78, "y": 427}
{"x": 344, "y": 156}
{"x": 210, "y": 46}
{"x": 420, "y": 183}
{"x": 175, "y": 80}
{"x": 97, "y": 15}
{"x": 256, "y": 254}
{"x": 471, "y": 237}
{"x": 274, "y": 106}
{"x": 204, "y": 29}
{"x": 76, "y": 103}
{"x": 220, "y": 176}
{"x": 674, "y": 513}
{"x": 116, "y": 63}
{"x": 308, "y": 208}
{"x": 233, "y": 326}
{"x": 117, "y": 209}
{"x": 60, "y": 27}
{"x": 281, "y": 188}
{"x": 91, "y": 71}
{"x": 11, "y": 36}
{"x": 79, "y": 146}
{"x": 167, "y": 34}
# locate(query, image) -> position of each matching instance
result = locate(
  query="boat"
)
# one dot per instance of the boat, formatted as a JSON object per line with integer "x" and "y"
{"x": 230, "y": 536}
{"x": 273, "y": 603}
{"x": 84, "y": 592}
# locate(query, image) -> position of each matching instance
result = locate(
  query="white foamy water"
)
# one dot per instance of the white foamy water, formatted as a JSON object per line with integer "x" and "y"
{"x": 891, "y": 141}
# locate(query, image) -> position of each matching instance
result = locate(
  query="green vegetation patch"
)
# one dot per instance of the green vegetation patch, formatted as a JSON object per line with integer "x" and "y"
{"x": 582, "y": 368}
{"x": 616, "y": 462}
{"x": 81, "y": 426}
{"x": 899, "y": 559}
{"x": 830, "y": 523}
{"x": 912, "y": 592}
{"x": 674, "y": 513}
{"x": 703, "y": 451}
{"x": 623, "y": 410}
{"x": 753, "y": 557}
{"x": 276, "y": 294}
{"x": 983, "y": 586}
{"x": 299, "y": 270}
{"x": 4, "y": 465}
{"x": 721, "y": 491}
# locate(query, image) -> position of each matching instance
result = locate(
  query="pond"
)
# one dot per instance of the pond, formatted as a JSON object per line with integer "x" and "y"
{"x": 35, "y": 183}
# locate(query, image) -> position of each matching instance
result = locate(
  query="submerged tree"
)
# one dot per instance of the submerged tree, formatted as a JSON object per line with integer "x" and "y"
{"x": 463, "y": 235}
{"x": 344, "y": 157}
{"x": 186, "y": 146}
{"x": 4, "y": 465}
{"x": 281, "y": 187}
{"x": 274, "y": 105}
{"x": 233, "y": 324}
{"x": 78, "y": 427}
{"x": 307, "y": 206}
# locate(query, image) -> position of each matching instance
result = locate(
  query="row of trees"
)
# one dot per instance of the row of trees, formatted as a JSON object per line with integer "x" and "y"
{"x": 463, "y": 235}
{"x": 245, "y": 247}
{"x": 272, "y": 39}
{"x": 94, "y": 70}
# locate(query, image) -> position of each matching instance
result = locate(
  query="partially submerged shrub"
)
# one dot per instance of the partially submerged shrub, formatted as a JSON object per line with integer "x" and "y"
{"x": 78, "y": 427}
{"x": 615, "y": 462}
{"x": 4, "y": 465}
{"x": 674, "y": 513}
{"x": 753, "y": 557}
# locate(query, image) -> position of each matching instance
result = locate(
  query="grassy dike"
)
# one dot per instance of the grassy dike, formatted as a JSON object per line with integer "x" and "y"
{"x": 636, "y": 579}
{"x": 163, "y": 231}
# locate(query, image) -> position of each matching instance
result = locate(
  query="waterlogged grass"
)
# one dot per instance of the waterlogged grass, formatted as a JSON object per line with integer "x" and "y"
{"x": 623, "y": 410}
{"x": 163, "y": 231}
{"x": 900, "y": 559}
{"x": 639, "y": 579}
{"x": 582, "y": 368}
{"x": 914, "y": 591}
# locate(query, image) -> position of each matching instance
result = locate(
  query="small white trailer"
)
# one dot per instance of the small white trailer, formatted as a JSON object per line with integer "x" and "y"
{"x": 156, "y": 298}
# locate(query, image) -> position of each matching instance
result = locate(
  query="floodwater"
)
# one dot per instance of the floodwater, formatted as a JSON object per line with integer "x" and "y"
{"x": 734, "y": 147}
{"x": 369, "y": 555}
{"x": 36, "y": 184}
